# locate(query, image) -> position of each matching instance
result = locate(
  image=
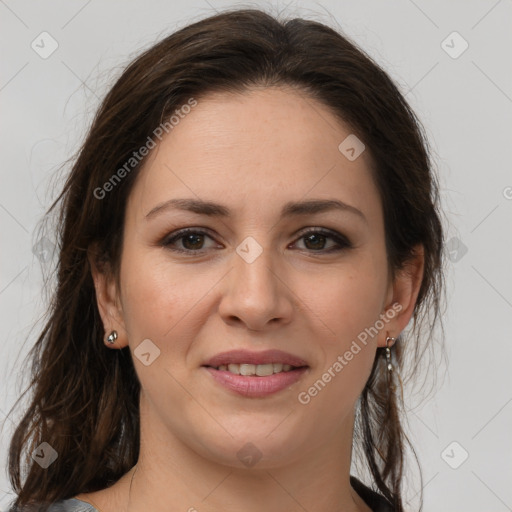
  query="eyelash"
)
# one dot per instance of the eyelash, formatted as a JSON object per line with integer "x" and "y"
{"x": 342, "y": 242}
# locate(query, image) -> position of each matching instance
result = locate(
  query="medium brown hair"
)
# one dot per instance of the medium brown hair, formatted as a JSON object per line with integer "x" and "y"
{"x": 85, "y": 398}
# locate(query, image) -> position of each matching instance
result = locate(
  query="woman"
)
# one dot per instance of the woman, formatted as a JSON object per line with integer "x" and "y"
{"x": 247, "y": 231}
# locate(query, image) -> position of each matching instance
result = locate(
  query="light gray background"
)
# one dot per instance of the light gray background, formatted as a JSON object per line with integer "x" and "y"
{"x": 465, "y": 104}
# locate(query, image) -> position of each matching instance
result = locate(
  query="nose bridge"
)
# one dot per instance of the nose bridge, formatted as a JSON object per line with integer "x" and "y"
{"x": 254, "y": 266}
{"x": 255, "y": 293}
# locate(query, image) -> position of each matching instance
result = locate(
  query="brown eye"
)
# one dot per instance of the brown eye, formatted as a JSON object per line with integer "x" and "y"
{"x": 192, "y": 241}
{"x": 315, "y": 240}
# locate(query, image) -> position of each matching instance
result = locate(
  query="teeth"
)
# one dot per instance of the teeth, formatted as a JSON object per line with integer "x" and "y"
{"x": 248, "y": 369}
{"x": 261, "y": 370}
{"x": 278, "y": 367}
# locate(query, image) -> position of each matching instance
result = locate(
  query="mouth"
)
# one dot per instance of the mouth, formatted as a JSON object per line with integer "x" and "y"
{"x": 256, "y": 374}
{"x": 259, "y": 370}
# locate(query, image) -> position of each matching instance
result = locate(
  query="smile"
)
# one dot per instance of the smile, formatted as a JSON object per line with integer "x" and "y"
{"x": 261, "y": 370}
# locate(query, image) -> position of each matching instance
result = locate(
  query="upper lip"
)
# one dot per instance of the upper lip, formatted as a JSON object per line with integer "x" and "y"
{"x": 246, "y": 356}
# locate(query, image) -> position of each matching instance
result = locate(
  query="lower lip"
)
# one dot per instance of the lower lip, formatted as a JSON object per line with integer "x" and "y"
{"x": 254, "y": 386}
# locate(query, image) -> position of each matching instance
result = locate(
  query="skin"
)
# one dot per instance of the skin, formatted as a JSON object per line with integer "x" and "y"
{"x": 251, "y": 152}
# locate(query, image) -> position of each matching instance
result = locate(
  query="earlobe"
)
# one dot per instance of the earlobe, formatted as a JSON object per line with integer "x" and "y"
{"x": 405, "y": 290}
{"x": 108, "y": 302}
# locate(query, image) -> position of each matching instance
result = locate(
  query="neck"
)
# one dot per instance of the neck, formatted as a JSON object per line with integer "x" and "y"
{"x": 171, "y": 476}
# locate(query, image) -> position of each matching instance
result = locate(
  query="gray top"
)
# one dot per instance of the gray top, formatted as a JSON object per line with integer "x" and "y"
{"x": 71, "y": 505}
{"x": 374, "y": 500}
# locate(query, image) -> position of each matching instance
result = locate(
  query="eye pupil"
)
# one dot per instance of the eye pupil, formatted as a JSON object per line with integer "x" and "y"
{"x": 188, "y": 238}
{"x": 314, "y": 236}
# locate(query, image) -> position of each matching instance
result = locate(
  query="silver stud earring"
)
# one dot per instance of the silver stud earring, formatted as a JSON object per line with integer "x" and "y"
{"x": 112, "y": 337}
{"x": 388, "y": 353}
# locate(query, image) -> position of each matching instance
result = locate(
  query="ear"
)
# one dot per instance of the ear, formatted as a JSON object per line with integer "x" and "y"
{"x": 402, "y": 295}
{"x": 107, "y": 298}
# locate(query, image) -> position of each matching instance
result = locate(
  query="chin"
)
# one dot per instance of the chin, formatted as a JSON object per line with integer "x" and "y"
{"x": 253, "y": 448}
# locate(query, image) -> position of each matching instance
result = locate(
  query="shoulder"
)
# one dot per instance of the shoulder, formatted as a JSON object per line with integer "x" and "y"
{"x": 71, "y": 505}
{"x": 374, "y": 500}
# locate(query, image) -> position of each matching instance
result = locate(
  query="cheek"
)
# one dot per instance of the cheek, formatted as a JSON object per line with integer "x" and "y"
{"x": 347, "y": 300}
{"x": 347, "y": 308}
{"x": 155, "y": 300}
{"x": 162, "y": 306}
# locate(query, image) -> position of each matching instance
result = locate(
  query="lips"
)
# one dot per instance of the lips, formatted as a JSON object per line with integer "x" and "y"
{"x": 255, "y": 358}
{"x": 254, "y": 386}
{"x": 249, "y": 374}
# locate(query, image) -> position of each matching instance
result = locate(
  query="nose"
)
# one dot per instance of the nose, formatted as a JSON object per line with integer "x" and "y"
{"x": 255, "y": 292}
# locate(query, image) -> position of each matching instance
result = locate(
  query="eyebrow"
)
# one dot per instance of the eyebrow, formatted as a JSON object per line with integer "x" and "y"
{"x": 290, "y": 209}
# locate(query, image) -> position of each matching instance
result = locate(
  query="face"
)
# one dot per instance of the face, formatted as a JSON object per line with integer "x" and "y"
{"x": 247, "y": 276}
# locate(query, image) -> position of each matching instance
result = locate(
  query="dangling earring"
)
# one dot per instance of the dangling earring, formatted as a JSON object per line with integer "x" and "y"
{"x": 112, "y": 337}
{"x": 388, "y": 353}
{"x": 389, "y": 365}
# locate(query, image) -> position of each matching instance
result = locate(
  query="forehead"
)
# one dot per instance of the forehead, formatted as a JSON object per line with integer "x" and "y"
{"x": 262, "y": 147}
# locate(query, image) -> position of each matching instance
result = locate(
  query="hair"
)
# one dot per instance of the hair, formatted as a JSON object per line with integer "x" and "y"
{"x": 85, "y": 398}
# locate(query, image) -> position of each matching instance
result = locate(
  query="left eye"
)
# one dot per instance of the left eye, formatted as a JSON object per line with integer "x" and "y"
{"x": 319, "y": 236}
{"x": 193, "y": 239}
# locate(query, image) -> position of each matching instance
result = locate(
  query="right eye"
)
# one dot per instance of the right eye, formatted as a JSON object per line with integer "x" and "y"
{"x": 191, "y": 239}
